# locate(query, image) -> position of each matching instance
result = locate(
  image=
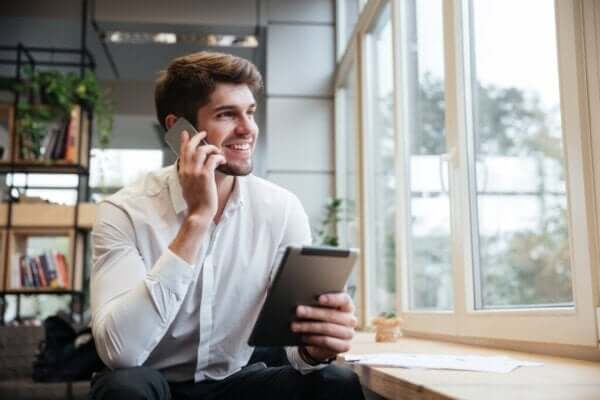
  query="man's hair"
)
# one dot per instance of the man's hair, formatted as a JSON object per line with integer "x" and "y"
{"x": 188, "y": 82}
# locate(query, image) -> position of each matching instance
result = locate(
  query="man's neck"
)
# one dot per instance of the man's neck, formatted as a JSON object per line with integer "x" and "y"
{"x": 225, "y": 185}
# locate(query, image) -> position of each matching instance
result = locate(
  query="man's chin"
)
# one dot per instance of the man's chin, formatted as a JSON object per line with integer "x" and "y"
{"x": 235, "y": 170}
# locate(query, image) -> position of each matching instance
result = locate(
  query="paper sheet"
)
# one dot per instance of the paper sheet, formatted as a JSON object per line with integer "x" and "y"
{"x": 500, "y": 364}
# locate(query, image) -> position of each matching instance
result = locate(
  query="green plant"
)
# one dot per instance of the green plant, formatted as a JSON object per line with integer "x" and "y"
{"x": 328, "y": 233}
{"x": 47, "y": 97}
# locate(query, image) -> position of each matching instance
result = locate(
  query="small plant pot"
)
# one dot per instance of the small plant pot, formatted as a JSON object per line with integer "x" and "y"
{"x": 387, "y": 329}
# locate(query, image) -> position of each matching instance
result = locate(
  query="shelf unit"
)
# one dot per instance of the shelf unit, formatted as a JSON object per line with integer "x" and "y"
{"x": 21, "y": 222}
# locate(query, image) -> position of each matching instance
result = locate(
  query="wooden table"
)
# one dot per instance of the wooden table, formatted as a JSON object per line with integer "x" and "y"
{"x": 559, "y": 378}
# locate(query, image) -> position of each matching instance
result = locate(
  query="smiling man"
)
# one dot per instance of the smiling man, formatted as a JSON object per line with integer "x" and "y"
{"x": 183, "y": 259}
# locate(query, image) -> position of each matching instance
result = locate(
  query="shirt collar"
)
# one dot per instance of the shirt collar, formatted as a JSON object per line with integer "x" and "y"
{"x": 236, "y": 200}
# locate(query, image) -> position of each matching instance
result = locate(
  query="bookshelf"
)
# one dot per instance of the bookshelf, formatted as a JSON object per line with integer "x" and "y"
{"x": 44, "y": 245}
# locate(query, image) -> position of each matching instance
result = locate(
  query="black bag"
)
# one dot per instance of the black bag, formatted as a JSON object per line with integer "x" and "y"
{"x": 65, "y": 355}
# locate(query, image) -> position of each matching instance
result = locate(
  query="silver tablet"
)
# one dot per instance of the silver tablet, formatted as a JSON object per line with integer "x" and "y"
{"x": 303, "y": 275}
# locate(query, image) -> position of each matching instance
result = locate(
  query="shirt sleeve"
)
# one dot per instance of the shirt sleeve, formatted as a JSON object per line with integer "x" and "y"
{"x": 296, "y": 232}
{"x": 132, "y": 305}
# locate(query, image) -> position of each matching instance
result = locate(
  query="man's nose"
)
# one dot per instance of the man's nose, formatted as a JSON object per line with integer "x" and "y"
{"x": 246, "y": 125}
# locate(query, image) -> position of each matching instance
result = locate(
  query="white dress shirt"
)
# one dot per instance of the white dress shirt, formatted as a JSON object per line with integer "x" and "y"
{"x": 151, "y": 308}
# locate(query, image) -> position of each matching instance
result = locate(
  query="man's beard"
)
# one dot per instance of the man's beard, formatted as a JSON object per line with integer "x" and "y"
{"x": 236, "y": 169}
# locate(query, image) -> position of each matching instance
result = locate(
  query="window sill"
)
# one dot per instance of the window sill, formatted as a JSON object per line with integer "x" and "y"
{"x": 560, "y": 378}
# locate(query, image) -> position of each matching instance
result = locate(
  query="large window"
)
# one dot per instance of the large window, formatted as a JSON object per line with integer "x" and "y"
{"x": 474, "y": 185}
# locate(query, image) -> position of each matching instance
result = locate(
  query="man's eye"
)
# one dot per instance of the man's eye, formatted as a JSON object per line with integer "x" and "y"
{"x": 227, "y": 114}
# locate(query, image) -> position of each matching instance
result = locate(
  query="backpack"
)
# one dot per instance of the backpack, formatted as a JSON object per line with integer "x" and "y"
{"x": 66, "y": 354}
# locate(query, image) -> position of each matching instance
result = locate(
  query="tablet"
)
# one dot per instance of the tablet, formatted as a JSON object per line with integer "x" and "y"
{"x": 303, "y": 275}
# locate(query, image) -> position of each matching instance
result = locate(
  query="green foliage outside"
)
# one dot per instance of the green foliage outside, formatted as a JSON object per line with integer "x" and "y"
{"x": 526, "y": 267}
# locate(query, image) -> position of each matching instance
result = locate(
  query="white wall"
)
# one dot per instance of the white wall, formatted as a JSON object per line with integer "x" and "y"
{"x": 299, "y": 96}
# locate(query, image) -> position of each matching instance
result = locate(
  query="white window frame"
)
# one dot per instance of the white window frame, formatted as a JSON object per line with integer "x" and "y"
{"x": 349, "y": 61}
{"x": 574, "y": 330}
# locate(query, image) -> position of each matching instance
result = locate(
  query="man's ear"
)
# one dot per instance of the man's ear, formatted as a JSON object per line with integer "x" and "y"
{"x": 170, "y": 120}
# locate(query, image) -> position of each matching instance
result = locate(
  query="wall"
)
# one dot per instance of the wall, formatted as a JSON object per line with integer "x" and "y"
{"x": 299, "y": 99}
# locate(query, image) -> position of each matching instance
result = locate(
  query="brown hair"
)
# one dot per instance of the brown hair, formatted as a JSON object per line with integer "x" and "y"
{"x": 188, "y": 82}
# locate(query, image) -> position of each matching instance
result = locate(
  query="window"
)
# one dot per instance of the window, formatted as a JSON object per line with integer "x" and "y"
{"x": 380, "y": 182}
{"x": 488, "y": 138}
{"x": 112, "y": 169}
{"x": 56, "y": 188}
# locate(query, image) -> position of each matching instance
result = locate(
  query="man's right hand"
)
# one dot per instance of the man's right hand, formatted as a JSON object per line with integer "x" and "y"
{"x": 197, "y": 164}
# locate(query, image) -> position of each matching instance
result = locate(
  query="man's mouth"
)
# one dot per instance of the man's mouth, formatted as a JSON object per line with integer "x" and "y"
{"x": 239, "y": 148}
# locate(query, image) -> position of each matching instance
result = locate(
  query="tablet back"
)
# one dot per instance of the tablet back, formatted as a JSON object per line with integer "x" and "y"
{"x": 304, "y": 274}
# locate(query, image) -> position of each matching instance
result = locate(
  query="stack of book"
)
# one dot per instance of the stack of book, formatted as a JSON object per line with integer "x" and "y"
{"x": 62, "y": 142}
{"x": 48, "y": 270}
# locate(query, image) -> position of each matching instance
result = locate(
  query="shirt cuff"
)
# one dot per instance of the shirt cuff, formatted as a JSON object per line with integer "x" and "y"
{"x": 298, "y": 362}
{"x": 172, "y": 272}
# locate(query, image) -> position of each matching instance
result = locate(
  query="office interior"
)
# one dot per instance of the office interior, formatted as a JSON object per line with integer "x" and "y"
{"x": 454, "y": 143}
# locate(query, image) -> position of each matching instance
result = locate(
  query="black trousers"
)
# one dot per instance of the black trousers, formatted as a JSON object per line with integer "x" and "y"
{"x": 255, "y": 381}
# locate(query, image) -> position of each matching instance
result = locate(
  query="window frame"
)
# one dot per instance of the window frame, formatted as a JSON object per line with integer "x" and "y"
{"x": 349, "y": 69}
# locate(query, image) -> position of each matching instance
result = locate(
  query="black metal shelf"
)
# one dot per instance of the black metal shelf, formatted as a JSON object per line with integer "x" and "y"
{"x": 43, "y": 168}
{"x": 34, "y": 57}
{"x": 36, "y": 291}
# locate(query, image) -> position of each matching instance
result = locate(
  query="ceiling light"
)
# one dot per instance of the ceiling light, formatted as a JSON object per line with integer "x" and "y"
{"x": 211, "y": 40}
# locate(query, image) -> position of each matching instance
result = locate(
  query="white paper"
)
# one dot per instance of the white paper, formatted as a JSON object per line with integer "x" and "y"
{"x": 500, "y": 364}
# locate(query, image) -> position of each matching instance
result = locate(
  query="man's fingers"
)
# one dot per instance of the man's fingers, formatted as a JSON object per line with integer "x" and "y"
{"x": 197, "y": 138}
{"x": 328, "y": 343}
{"x": 202, "y": 153}
{"x": 189, "y": 149}
{"x": 327, "y": 315}
{"x": 324, "y": 329}
{"x": 341, "y": 301}
{"x": 214, "y": 160}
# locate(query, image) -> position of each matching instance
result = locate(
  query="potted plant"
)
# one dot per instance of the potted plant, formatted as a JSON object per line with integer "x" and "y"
{"x": 327, "y": 234}
{"x": 45, "y": 102}
{"x": 387, "y": 327}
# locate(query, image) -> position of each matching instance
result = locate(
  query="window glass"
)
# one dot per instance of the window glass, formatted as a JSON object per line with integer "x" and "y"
{"x": 112, "y": 169}
{"x": 429, "y": 261}
{"x": 521, "y": 250}
{"x": 381, "y": 183}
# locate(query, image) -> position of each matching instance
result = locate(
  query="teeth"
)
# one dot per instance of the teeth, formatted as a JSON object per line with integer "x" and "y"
{"x": 245, "y": 146}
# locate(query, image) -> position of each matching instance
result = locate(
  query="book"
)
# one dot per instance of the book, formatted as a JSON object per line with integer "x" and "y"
{"x": 85, "y": 138}
{"x": 63, "y": 270}
{"x": 58, "y": 151}
{"x": 43, "y": 282}
{"x": 26, "y": 279}
{"x": 33, "y": 269}
{"x": 16, "y": 277}
{"x": 52, "y": 272}
{"x": 72, "y": 135}
{"x": 43, "y": 261}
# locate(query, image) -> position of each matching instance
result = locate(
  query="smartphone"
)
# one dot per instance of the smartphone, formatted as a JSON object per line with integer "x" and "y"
{"x": 173, "y": 135}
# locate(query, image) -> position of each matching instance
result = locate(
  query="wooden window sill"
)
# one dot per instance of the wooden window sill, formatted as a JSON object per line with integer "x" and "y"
{"x": 558, "y": 378}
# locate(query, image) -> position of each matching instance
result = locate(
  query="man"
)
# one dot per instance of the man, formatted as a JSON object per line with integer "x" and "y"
{"x": 184, "y": 257}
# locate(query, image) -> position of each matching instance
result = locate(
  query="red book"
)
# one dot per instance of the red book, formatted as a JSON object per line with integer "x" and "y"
{"x": 62, "y": 269}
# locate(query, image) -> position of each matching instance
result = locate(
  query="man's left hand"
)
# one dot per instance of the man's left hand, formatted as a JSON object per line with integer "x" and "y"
{"x": 327, "y": 329}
